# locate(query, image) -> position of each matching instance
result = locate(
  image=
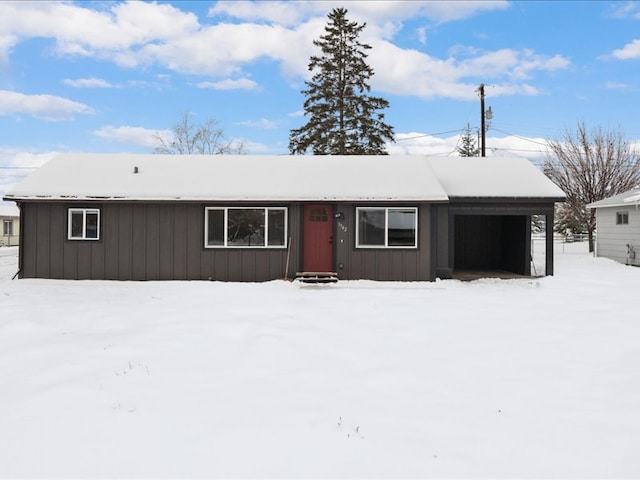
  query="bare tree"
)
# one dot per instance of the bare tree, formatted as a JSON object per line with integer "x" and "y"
{"x": 187, "y": 138}
{"x": 590, "y": 166}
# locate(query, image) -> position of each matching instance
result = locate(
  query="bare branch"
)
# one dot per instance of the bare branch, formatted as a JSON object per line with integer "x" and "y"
{"x": 190, "y": 138}
{"x": 589, "y": 166}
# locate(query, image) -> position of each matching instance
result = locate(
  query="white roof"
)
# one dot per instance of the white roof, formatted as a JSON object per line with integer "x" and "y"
{"x": 493, "y": 177}
{"x": 9, "y": 211}
{"x": 624, "y": 199}
{"x": 280, "y": 178}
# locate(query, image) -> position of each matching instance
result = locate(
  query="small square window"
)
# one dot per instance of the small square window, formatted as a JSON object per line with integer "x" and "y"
{"x": 622, "y": 218}
{"x": 84, "y": 224}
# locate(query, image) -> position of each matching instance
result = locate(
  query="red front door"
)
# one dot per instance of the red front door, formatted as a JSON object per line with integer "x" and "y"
{"x": 317, "y": 249}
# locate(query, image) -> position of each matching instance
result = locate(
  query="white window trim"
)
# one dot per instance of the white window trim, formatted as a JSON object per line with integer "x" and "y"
{"x": 4, "y": 228}
{"x": 84, "y": 212}
{"x": 266, "y": 227}
{"x": 620, "y": 214}
{"x": 386, "y": 228}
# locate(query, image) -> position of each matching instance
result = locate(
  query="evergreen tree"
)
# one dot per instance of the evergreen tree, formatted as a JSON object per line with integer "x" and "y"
{"x": 343, "y": 119}
{"x": 468, "y": 146}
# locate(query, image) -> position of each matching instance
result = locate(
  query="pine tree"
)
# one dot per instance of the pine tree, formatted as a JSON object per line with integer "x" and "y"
{"x": 343, "y": 118}
{"x": 468, "y": 146}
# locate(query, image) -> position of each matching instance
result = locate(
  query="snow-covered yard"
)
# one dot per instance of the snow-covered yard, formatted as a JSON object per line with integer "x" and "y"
{"x": 492, "y": 378}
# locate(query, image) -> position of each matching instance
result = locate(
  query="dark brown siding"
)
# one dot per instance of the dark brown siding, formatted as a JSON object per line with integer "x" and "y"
{"x": 144, "y": 241}
{"x": 383, "y": 264}
{"x": 440, "y": 213}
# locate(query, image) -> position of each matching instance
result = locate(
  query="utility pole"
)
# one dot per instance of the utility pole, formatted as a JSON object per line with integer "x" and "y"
{"x": 483, "y": 116}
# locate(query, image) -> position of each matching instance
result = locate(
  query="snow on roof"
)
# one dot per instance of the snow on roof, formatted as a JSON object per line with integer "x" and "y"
{"x": 493, "y": 177}
{"x": 281, "y": 178}
{"x": 623, "y": 199}
{"x": 231, "y": 178}
{"x": 9, "y": 211}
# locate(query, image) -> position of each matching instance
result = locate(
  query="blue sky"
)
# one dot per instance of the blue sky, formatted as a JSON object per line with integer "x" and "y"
{"x": 105, "y": 76}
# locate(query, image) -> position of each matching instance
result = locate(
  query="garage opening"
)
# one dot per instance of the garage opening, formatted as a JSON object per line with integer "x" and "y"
{"x": 492, "y": 246}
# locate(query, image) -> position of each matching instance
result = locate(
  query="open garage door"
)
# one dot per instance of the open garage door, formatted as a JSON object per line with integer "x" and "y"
{"x": 492, "y": 244}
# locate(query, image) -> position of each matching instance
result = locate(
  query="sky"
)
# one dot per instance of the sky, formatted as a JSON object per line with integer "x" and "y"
{"x": 110, "y": 76}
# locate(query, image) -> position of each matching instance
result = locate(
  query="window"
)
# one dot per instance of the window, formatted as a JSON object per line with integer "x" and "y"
{"x": 245, "y": 227}
{"x": 387, "y": 227}
{"x": 84, "y": 224}
{"x": 622, "y": 218}
{"x": 7, "y": 227}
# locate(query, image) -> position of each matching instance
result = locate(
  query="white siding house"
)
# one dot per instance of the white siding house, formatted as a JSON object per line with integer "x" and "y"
{"x": 618, "y": 227}
{"x": 10, "y": 225}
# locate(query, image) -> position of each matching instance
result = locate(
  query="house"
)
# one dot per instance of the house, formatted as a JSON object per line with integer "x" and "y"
{"x": 258, "y": 218}
{"x": 10, "y": 220}
{"x": 618, "y": 227}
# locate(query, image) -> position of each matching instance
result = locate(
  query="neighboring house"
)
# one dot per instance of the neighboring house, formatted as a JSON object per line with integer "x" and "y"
{"x": 257, "y": 218}
{"x": 618, "y": 227}
{"x": 10, "y": 221}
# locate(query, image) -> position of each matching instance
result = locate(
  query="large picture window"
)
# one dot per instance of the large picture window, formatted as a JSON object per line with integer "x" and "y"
{"x": 84, "y": 224}
{"x": 380, "y": 227}
{"x": 261, "y": 227}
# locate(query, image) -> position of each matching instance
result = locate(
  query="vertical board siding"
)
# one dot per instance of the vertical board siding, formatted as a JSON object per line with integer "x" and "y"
{"x": 443, "y": 267}
{"x": 124, "y": 214}
{"x": 384, "y": 264}
{"x": 138, "y": 241}
{"x": 194, "y": 241}
{"x": 28, "y": 240}
{"x": 165, "y": 241}
{"x": 42, "y": 246}
{"x": 152, "y": 248}
{"x": 166, "y": 237}
{"x": 179, "y": 242}
{"x": 58, "y": 234}
{"x": 111, "y": 224}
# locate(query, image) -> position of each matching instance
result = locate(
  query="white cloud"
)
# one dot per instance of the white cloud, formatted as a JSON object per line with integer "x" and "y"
{"x": 625, "y": 10}
{"x": 410, "y": 72}
{"x": 6, "y": 44}
{"x": 253, "y": 148}
{"x": 416, "y": 143}
{"x": 422, "y": 35}
{"x": 136, "y": 34}
{"x": 16, "y": 157}
{"x": 617, "y": 86}
{"x": 262, "y": 124}
{"x": 139, "y": 136}
{"x": 630, "y": 51}
{"x": 44, "y": 107}
{"x": 79, "y": 30}
{"x": 230, "y": 84}
{"x": 87, "y": 83}
{"x": 25, "y": 161}
{"x": 377, "y": 11}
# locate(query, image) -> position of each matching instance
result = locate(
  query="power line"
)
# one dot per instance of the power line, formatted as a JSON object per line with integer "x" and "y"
{"x": 429, "y": 135}
{"x": 520, "y": 137}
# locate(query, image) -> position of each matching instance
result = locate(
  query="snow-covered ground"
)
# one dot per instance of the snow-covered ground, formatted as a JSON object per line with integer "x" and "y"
{"x": 511, "y": 378}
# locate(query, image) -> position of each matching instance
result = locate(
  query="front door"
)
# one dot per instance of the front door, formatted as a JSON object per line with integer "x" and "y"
{"x": 317, "y": 249}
